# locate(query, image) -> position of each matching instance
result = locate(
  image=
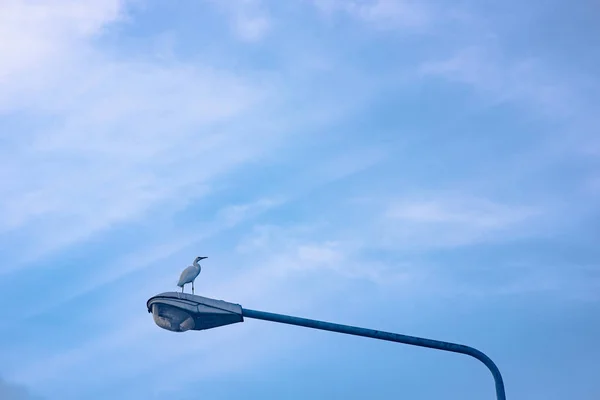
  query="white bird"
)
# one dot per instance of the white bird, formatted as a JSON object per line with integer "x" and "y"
{"x": 190, "y": 273}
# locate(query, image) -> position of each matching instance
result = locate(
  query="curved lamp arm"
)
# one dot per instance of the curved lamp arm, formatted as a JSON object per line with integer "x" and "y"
{"x": 391, "y": 337}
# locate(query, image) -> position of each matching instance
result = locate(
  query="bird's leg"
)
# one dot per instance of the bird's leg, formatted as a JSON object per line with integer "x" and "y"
{"x": 192, "y": 287}
{"x": 182, "y": 286}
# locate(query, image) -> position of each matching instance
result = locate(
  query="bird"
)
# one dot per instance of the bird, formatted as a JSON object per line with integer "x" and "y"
{"x": 190, "y": 273}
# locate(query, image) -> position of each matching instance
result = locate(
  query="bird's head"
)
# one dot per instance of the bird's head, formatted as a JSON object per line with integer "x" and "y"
{"x": 200, "y": 258}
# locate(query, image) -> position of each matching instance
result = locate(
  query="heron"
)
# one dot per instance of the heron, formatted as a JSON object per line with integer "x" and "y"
{"x": 190, "y": 273}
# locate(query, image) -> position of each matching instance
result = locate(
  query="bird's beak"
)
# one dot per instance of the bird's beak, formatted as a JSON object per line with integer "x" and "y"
{"x": 202, "y": 258}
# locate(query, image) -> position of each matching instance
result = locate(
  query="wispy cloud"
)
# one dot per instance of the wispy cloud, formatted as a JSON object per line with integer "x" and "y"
{"x": 472, "y": 212}
{"x": 381, "y": 14}
{"x": 132, "y": 165}
{"x": 41, "y": 40}
{"x": 523, "y": 81}
{"x": 152, "y": 137}
{"x": 236, "y": 213}
{"x": 435, "y": 220}
{"x": 249, "y": 20}
{"x": 291, "y": 251}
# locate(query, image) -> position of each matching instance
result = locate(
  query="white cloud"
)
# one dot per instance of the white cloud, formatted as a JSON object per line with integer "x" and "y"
{"x": 444, "y": 220}
{"x": 296, "y": 250}
{"x": 476, "y": 213}
{"x": 522, "y": 81}
{"x": 141, "y": 137}
{"x": 239, "y": 212}
{"x": 38, "y": 39}
{"x": 382, "y": 14}
{"x": 120, "y": 138}
{"x": 249, "y": 19}
{"x": 561, "y": 98}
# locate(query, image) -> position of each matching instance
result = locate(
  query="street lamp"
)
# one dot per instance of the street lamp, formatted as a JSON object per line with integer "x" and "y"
{"x": 180, "y": 312}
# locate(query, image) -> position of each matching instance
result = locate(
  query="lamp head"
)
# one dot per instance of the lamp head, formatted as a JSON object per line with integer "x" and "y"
{"x": 180, "y": 312}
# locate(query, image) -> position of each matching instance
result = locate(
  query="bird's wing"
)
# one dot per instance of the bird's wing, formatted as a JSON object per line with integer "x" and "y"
{"x": 185, "y": 276}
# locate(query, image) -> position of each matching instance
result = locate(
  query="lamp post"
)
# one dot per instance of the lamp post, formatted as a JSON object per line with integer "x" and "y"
{"x": 180, "y": 312}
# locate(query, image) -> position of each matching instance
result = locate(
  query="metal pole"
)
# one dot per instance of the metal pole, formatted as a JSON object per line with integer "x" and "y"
{"x": 391, "y": 337}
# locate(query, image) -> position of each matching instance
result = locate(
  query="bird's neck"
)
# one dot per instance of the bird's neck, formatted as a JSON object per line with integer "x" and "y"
{"x": 196, "y": 264}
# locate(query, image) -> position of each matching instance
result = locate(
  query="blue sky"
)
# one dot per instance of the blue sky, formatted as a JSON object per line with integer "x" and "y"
{"x": 428, "y": 168}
